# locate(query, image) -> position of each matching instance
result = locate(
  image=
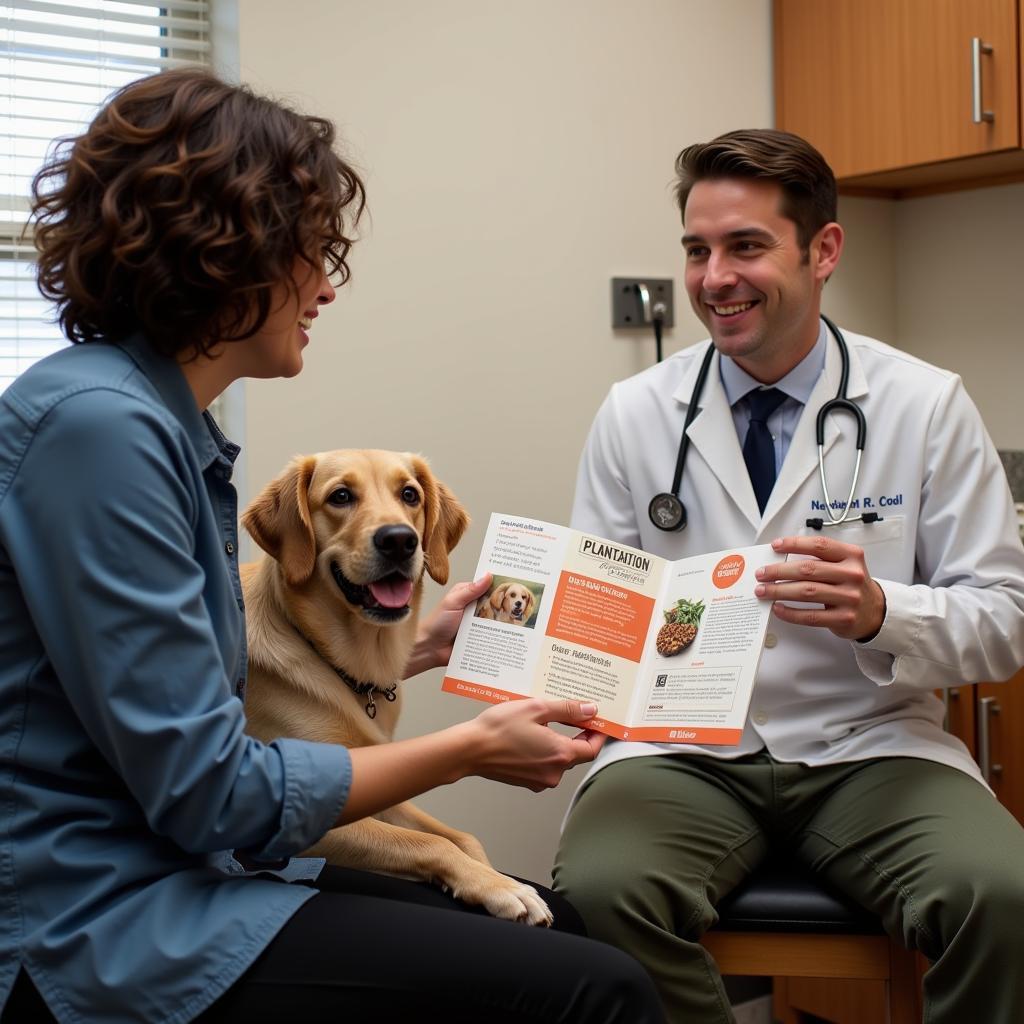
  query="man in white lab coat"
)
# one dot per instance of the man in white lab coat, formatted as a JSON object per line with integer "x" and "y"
{"x": 843, "y": 763}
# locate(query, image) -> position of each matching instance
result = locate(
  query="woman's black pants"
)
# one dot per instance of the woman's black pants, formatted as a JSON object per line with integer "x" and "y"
{"x": 374, "y": 948}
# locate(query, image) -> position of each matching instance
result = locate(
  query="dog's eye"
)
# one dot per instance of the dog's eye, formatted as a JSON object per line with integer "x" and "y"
{"x": 340, "y": 496}
{"x": 410, "y": 496}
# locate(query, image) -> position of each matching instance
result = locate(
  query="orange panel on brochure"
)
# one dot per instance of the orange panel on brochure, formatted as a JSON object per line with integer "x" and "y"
{"x": 600, "y": 615}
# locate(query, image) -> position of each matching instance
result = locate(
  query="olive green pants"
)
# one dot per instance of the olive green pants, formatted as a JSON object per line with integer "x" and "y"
{"x": 654, "y": 843}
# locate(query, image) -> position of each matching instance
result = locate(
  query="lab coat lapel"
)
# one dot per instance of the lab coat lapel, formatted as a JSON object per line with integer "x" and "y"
{"x": 713, "y": 436}
{"x": 802, "y": 458}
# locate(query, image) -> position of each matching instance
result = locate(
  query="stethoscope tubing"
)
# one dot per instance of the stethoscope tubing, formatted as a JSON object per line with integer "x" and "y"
{"x": 837, "y": 404}
{"x": 691, "y": 415}
{"x": 669, "y": 508}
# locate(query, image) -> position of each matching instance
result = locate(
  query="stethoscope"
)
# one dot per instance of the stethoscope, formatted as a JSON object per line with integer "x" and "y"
{"x": 668, "y": 513}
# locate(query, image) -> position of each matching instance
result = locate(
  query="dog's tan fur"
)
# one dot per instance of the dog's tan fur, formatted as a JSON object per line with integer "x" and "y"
{"x": 510, "y": 602}
{"x": 300, "y": 623}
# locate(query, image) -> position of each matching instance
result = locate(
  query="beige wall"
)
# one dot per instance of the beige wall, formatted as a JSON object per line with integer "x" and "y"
{"x": 861, "y": 295}
{"x": 517, "y": 157}
{"x": 938, "y": 277}
{"x": 959, "y": 275}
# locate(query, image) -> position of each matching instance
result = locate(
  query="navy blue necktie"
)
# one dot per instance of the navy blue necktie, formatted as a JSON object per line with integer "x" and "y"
{"x": 759, "y": 448}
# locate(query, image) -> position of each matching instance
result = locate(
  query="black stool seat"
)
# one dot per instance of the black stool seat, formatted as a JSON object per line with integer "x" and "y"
{"x": 781, "y": 897}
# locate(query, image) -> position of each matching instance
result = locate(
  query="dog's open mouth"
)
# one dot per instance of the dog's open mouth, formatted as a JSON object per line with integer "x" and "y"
{"x": 386, "y": 599}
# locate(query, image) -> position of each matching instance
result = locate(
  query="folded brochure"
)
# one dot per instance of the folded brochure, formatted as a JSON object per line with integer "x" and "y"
{"x": 668, "y": 650}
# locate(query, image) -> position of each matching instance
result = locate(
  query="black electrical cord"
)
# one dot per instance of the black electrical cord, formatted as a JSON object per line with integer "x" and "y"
{"x": 657, "y": 322}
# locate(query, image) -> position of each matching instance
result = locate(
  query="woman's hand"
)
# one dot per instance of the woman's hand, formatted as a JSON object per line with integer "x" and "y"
{"x": 508, "y": 743}
{"x": 437, "y": 631}
{"x": 513, "y": 744}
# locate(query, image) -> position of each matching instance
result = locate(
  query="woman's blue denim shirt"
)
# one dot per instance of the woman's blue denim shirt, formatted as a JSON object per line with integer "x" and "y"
{"x": 124, "y": 769}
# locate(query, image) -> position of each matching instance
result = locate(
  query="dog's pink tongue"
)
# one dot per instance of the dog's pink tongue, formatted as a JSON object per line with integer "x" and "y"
{"x": 391, "y": 593}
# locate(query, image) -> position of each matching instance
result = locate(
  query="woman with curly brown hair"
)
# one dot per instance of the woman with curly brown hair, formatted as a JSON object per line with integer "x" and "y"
{"x": 188, "y": 238}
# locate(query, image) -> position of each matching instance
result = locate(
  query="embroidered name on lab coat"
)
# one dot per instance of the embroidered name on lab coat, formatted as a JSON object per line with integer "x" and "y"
{"x": 882, "y": 501}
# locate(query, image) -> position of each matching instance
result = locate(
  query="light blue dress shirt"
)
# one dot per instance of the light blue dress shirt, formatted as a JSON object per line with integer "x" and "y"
{"x": 797, "y": 385}
{"x": 124, "y": 769}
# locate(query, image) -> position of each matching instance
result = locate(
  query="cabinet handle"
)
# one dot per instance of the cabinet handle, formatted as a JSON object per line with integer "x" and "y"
{"x": 987, "y": 707}
{"x": 977, "y": 49}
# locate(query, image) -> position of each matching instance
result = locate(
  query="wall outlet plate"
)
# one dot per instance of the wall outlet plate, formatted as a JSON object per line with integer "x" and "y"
{"x": 627, "y": 304}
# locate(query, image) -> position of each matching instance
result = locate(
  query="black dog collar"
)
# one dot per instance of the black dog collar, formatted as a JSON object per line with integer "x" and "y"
{"x": 363, "y": 689}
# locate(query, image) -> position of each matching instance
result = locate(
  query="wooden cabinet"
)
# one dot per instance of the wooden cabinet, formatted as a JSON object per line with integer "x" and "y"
{"x": 989, "y": 718}
{"x": 885, "y": 89}
{"x": 997, "y": 737}
{"x": 961, "y": 714}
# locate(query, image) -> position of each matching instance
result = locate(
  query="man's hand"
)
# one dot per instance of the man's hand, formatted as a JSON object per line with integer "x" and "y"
{"x": 836, "y": 576}
{"x": 437, "y": 631}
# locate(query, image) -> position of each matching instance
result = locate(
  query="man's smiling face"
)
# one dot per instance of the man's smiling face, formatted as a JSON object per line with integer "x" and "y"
{"x": 748, "y": 278}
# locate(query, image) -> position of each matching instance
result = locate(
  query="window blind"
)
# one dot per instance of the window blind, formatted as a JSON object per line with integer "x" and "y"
{"x": 58, "y": 64}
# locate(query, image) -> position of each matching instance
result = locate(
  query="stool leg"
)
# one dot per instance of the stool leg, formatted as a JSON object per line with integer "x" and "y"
{"x": 904, "y": 987}
{"x": 782, "y": 1012}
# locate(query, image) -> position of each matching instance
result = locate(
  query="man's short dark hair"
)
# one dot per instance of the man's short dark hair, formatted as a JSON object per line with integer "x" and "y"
{"x": 764, "y": 154}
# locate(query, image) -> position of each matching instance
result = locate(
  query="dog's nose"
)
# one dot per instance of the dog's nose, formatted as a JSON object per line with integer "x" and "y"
{"x": 396, "y": 543}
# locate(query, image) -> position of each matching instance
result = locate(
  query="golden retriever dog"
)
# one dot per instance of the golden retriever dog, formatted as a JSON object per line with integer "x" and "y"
{"x": 510, "y": 602}
{"x": 331, "y": 621}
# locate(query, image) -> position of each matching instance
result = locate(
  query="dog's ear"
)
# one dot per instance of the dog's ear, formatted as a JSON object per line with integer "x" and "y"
{"x": 529, "y": 602}
{"x": 279, "y": 520}
{"x": 498, "y": 597}
{"x": 445, "y": 520}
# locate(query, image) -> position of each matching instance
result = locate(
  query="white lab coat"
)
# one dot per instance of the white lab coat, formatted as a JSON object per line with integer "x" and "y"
{"x": 947, "y": 552}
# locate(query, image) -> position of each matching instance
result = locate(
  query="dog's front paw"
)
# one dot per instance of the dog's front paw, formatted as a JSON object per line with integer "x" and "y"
{"x": 536, "y": 911}
{"x": 510, "y": 899}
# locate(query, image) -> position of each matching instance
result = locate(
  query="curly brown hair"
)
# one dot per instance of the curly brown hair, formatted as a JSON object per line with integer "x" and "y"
{"x": 766, "y": 154}
{"x": 185, "y": 202}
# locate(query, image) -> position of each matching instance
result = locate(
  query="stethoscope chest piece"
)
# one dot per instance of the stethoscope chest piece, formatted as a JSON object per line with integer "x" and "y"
{"x": 667, "y": 512}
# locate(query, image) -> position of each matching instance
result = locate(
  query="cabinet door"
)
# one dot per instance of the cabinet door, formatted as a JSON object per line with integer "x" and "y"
{"x": 1000, "y": 711}
{"x": 960, "y": 708}
{"x": 878, "y": 85}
